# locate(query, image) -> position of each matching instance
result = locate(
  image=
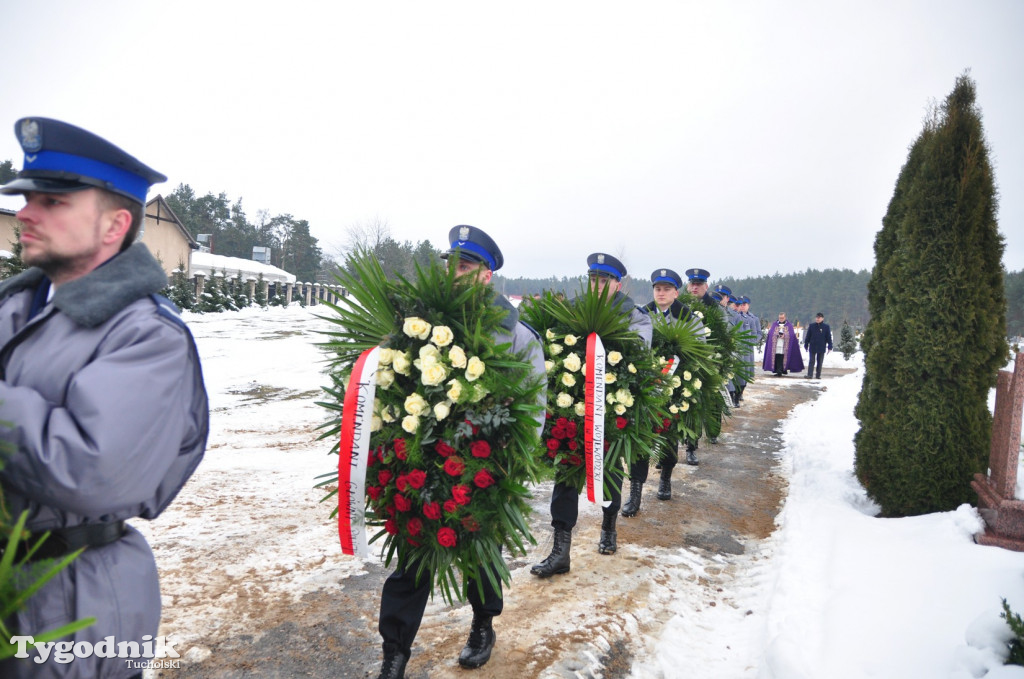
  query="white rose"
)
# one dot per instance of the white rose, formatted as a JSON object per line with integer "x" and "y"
{"x": 568, "y": 380}
{"x": 410, "y": 423}
{"x": 707, "y": 330}
{"x": 563, "y": 400}
{"x": 619, "y": 409}
{"x": 474, "y": 369}
{"x": 550, "y": 335}
{"x": 415, "y": 405}
{"x": 555, "y": 349}
{"x": 402, "y": 362}
{"x": 385, "y": 356}
{"x": 434, "y": 374}
{"x": 388, "y": 414}
{"x": 454, "y": 390}
{"x": 376, "y": 423}
{"x": 687, "y": 393}
{"x": 696, "y": 384}
{"x": 676, "y": 381}
{"x": 610, "y": 398}
{"x": 572, "y": 362}
{"x": 581, "y": 408}
{"x": 614, "y": 357}
{"x": 624, "y": 397}
{"x": 441, "y": 411}
{"x": 457, "y": 356}
{"x": 479, "y": 392}
{"x": 385, "y": 378}
{"x": 416, "y": 327}
{"x": 442, "y": 335}
{"x": 570, "y": 340}
{"x": 684, "y": 407}
{"x": 549, "y": 366}
{"x": 687, "y": 375}
{"x": 729, "y": 376}
{"x": 673, "y": 409}
{"x": 631, "y": 368}
{"x": 699, "y": 314}
{"x": 429, "y": 352}
{"x": 609, "y": 378}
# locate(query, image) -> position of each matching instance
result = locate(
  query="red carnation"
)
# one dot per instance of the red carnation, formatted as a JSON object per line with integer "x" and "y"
{"x": 432, "y": 510}
{"x": 470, "y": 524}
{"x": 400, "y": 448}
{"x": 483, "y": 479}
{"x": 374, "y": 492}
{"x": 417, "y": 477}
{"x": 450, "y": 506}
{"x": 480, "y": 449}
{"x": 402, "y": 503}
{"x": 553, "y": 444}
{"x": 454, "y": 466}
{"x": 461, "y": 494}
{"x": 383, "y": 476}
{"x": 621, "y": 422}
{"x": 391, "y": 526}
{"x": 446, "y": 537}
{"x": 443, "y": 449}
{"x": 414, "y": 526}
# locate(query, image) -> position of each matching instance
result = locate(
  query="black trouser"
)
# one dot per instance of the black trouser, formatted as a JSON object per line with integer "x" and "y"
{"x": 638, "y": 470}
{"x": 811, "y": 356}
{"x": 565, "y": 500}
{"x": 780, "y": 363}
{"x": 403, "y": 600}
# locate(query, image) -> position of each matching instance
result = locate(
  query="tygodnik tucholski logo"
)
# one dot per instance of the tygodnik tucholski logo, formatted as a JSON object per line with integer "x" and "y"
{"x": 152, "y": 653}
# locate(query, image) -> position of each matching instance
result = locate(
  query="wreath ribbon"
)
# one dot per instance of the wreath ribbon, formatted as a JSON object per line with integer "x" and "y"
{"x": 593, "y": 426}
{"x": 353, "y": 452}
{"x": 670, "y": 367}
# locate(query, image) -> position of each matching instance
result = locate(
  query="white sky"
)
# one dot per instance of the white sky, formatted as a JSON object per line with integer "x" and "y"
{"x": 744, "y": 137}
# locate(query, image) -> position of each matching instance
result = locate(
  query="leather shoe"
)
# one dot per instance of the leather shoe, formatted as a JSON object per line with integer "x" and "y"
{"x": 477, "y": 650}
{"x": 393, "y": 666}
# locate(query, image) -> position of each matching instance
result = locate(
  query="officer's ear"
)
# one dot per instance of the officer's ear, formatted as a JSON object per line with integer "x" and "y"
{"x": 115, "y": 221}
{"x": 485, "y": 275}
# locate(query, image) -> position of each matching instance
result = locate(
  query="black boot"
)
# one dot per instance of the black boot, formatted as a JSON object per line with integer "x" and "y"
{"x": 636, "y": 491}
{"x": 608, "y": 545}
{"x": 736, "y": 398}
{"x": 691, "y": 455}
{"x": 477, "y": 650}
{"x": 665, "y": 485}
{"x": 558, "y": 560}
{"x": 393, "y": 666}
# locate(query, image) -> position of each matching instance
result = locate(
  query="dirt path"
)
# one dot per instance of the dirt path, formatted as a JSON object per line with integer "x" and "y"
{"x": 592, "y": 622}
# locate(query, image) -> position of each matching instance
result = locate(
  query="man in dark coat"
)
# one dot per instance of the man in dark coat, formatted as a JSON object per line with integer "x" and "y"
{"x": 817, "y": 340}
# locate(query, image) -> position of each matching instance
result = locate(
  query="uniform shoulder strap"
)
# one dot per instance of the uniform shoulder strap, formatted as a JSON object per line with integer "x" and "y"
{"x": 530, "y": 328}
{"x": 167, "y": 309}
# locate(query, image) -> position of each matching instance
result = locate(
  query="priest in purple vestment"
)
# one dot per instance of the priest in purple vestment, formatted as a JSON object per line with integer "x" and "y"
{"x": 782, "y": 348}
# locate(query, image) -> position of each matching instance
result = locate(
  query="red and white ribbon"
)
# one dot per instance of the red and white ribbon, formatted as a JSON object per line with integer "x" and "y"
{"x": 593, "y": 425}
{"x": 671, "y": 366}
{"x": 353, "y": 451}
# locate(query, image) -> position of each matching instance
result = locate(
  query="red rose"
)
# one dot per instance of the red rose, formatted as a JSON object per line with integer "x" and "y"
{"x": 574, "y": 444}
{"x": 470, "y": 524}
{"x": 480, "y": 449}
{"x": 414, "y": 526}
{"x": 561, "y": 422}
{"x": 575, "y": 460}
{"x": 401, "y": 482}
{"x": 383, "y": 476}
{"x": 400, "y": 448}
{"x": 374, "y": 492}
{"x": 570, "y": 430}
{"x": 391, "y": 527}
{"x": 558, "y": 431}
{"x": 553, "y": 444}
{"x": 483, "y": 479}
{"x": 450, "y": 506}
{"x": 454, "y": 466}
{"x": 666, "y": 422}
{"x": 390, "y": 509}
{"x": 414, "y": 543}
{"x": 461, "y": 494}
{"x": 443, "y": 449}
{"x": 417, "y": 477}
{"x": 446, "y": 537}
{"x": 402, "y": 503}
{"x": 432, "y": 510}
{"x": 621, "y": 422}
{"x": 551, "y": 454}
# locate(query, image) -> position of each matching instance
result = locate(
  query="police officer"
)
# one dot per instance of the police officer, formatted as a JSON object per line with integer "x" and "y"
{"x": 751, "y": 324}
{"x": 666, "y": 284}
{"x": 605, "y": 272}
{"x": 101, "y": 381}
{"x": 697, "y": 285}
{"x": 403, "y": 599}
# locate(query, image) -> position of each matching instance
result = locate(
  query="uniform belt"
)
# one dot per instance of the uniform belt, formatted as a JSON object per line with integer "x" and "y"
{"x": 63, "y": 541}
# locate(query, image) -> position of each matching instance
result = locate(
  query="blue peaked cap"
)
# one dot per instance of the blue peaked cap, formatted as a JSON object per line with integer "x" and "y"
{"x": 61, "y": 158}
{"x": 666, "y": 276}
{"x": 697, "y": 275}
{"x": 473, "y": 244}
{"x": 605, "y": 264}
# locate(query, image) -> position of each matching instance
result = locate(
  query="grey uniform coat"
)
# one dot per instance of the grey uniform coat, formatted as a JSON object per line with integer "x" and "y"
{"x": 104, "y": 392}
{"x": 525, "y": 343}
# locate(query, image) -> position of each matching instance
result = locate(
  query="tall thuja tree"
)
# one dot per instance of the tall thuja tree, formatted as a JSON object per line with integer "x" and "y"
{"x": 936, "y": 338}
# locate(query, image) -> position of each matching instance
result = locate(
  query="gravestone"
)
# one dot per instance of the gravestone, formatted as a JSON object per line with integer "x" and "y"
{"x": 1003, "y": 514}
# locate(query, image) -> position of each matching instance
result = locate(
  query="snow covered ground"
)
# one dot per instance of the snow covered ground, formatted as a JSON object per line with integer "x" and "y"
{"x": 833, "y": 593}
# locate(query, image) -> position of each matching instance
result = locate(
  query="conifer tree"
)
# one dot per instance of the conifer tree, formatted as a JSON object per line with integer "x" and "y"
{"x": 181, "y": 290}
{"x": 12, "y": 266}
{"x": 936, "y": 337}
{"x": 259, "y": 297}
{"x": 847, "y": 341}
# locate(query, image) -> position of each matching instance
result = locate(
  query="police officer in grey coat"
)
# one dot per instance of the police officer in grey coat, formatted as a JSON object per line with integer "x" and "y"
{"x": 404, "y": 597}
{"x": 101, "y": 382}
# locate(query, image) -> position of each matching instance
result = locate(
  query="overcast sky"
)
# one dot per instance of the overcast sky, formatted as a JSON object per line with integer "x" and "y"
{"x": 747, "y": 138}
